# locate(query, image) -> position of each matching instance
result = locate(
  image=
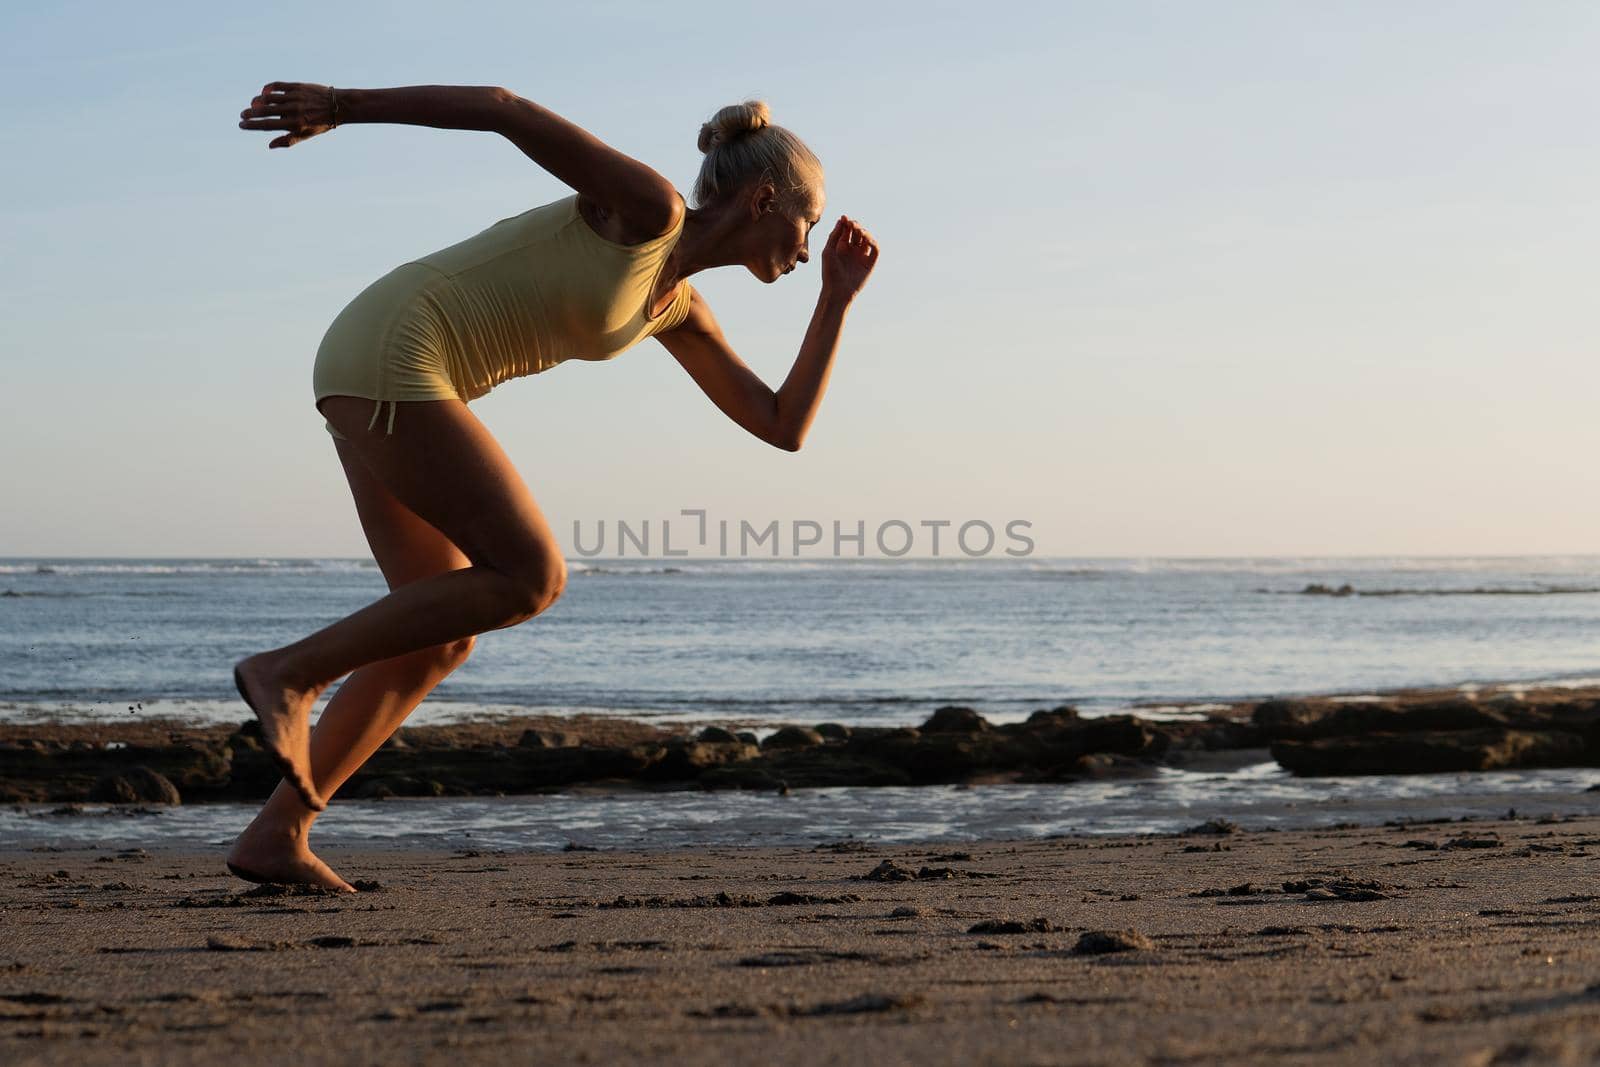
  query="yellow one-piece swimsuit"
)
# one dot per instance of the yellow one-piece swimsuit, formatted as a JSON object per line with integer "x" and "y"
{"x": 529, "y": 292}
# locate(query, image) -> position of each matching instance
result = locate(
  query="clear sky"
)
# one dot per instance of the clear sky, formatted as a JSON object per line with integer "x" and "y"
{"x": 1159, "y": 278}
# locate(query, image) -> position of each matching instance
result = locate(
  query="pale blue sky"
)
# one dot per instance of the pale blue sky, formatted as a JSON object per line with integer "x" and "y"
{"x": 1160, "y": 278}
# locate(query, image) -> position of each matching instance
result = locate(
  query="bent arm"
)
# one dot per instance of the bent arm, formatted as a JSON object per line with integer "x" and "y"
{"x": 782, "y": 418}
{"x": 570, "y": 153}
{"x": 619, "y": 184}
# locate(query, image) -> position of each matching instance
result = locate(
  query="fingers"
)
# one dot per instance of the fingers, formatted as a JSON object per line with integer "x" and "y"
{"x": 831, "y": 246}
{"x": 291, "y": 107}
{"x": 849, "y": 235}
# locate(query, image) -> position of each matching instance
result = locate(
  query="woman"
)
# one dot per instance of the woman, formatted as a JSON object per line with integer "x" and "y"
{"x": 451, "y": 524}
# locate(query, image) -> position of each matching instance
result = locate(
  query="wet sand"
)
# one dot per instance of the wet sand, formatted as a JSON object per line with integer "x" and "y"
{"x": 1458, "y": 942}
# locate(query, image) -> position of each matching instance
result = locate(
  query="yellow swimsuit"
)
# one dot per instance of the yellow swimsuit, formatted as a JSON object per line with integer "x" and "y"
{"x": 527, "y": 293}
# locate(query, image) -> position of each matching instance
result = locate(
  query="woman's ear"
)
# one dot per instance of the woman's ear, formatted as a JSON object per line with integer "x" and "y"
{"x": 763, "y": 199}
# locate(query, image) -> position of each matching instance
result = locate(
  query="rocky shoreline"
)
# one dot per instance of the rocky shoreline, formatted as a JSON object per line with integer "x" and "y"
{"x": 1415, "y": 731}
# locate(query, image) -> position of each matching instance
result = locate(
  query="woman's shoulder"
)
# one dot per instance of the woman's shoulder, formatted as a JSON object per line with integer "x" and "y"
{"x": 611, "y": 228}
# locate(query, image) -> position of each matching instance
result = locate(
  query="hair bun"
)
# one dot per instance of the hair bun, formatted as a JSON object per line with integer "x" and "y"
{"x": 733, "y": 122}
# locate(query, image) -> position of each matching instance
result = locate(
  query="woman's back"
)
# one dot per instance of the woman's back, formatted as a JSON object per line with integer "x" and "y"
{"x": 520, "y": 297}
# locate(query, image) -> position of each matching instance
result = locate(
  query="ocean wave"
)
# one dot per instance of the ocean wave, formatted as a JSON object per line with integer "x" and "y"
{"x": 585, "y": 569}
{"x": 1320, "y": 565}
{"x": 1347, "y": 590}
{"x": 191, "y": 567}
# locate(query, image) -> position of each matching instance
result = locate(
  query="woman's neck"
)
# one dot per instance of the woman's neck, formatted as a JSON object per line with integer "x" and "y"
{"x": 707, "y": 241}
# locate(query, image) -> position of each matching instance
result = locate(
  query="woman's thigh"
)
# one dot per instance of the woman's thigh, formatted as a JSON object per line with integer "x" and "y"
{"x": 442, "y": 468}
{"x": 406, "y": 547}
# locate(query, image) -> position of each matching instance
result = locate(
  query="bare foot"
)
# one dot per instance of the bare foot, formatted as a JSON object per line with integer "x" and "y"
{"x": 285, "y": 716}
{"x": 259, "y": 857}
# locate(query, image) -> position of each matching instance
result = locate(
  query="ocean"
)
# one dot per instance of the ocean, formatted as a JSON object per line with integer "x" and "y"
{"x": 852, "y": 641}
{"x": 882, "y": 642}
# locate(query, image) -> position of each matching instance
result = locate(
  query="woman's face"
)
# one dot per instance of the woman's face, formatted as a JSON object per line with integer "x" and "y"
{"x": 781, "y": 238}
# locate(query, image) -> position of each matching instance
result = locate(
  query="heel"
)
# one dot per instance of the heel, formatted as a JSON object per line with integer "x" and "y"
{"x": 249, "y": 876}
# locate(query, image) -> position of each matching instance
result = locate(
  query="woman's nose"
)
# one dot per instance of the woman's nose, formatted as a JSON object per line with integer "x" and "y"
{"x": 805, "y": 256}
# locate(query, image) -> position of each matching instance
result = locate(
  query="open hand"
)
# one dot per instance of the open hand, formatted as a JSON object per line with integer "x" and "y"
{"x": 848, "y": 258}
{"x": 300, "y": 108}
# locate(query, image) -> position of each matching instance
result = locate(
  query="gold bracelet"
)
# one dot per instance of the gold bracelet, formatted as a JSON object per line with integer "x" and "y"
{"x": 333, "y": 94}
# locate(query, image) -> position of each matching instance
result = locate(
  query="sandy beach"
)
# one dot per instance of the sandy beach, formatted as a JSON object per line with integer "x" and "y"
{"x": 1431, "y": 941}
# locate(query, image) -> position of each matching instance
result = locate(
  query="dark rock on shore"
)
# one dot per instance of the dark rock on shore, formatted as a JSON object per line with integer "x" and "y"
{"x": 1431, "y": 752}
{"x": 136, "y": 785}
{"x": 792, "y": 737}
{"x": 1430, "y": 732}
{"x": 1300, "y": 720}
{"x": 548, "y": 739}
{"x": 69, "y": 768}
{"x": 953, "y": 720}
{"x": 149, "y": 761}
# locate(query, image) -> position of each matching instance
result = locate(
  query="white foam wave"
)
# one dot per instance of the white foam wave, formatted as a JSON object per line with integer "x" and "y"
{"x": 74, "y": 567}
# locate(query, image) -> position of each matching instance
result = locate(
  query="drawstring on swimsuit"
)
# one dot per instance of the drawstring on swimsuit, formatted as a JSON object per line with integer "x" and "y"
{"x": 394, "y": 406}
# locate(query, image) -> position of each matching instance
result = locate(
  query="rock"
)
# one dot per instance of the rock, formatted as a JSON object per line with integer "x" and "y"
{"x": 1431, "y": 752}
{"x": 835, "y": 764}
{"x": 1057, "y": 715}
{"x": 717, "y": 735}
{"x": 1102, "y": 942}
{"x": 1352, "y": 889}
{"x": 747, "y": 737}
{"x": 865, "y": 1003}
{"x": 55, "y": 771}
{"x": 1299, "y": 720}
{"x": 1102, "y": 766}
{"x": 683, "y": 760}
{"x": 931, "y": 758}
{"x": 400, "y": 785}
{"x": 741, "y": 776}
{"x": 1457, "y": 843}
{"x": 954, "y": 720}
{"x": 373, "y": 789}
{"x": 792, "y": 737}
{"x": 1216, "y": 827}
{"x": 1278, "y": 719}
{"x": 1011, "y": 926}
{"x": 136, "y": 785}
{"x": 549, "y": 739}
{"x": 889, "y": 871}
{"x": 833, "y": 731}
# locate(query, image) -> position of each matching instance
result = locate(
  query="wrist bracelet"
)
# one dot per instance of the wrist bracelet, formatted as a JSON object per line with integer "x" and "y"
{"x": 333, "y": 95}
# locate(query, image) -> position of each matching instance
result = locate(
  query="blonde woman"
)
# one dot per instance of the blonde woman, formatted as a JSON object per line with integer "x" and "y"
{"x": 461, "y": 542}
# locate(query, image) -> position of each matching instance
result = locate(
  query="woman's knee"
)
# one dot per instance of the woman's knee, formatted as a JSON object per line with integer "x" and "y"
{"x": 453, "y": 654}
{"x": 439, "y": 660}
{"x": 535, "y": 588}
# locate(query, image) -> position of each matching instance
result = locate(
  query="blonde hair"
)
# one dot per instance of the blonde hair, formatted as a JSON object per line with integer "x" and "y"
{"x": 741, "y": 145}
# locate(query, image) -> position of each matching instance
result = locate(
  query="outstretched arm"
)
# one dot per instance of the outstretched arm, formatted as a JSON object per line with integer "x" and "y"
{"x": 780, "y": 418}
{"x": 618, "y": 183}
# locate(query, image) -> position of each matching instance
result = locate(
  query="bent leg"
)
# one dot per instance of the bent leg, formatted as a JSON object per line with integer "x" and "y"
{"x": 372, "y": 702}
{"x": 444, "y": 468}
